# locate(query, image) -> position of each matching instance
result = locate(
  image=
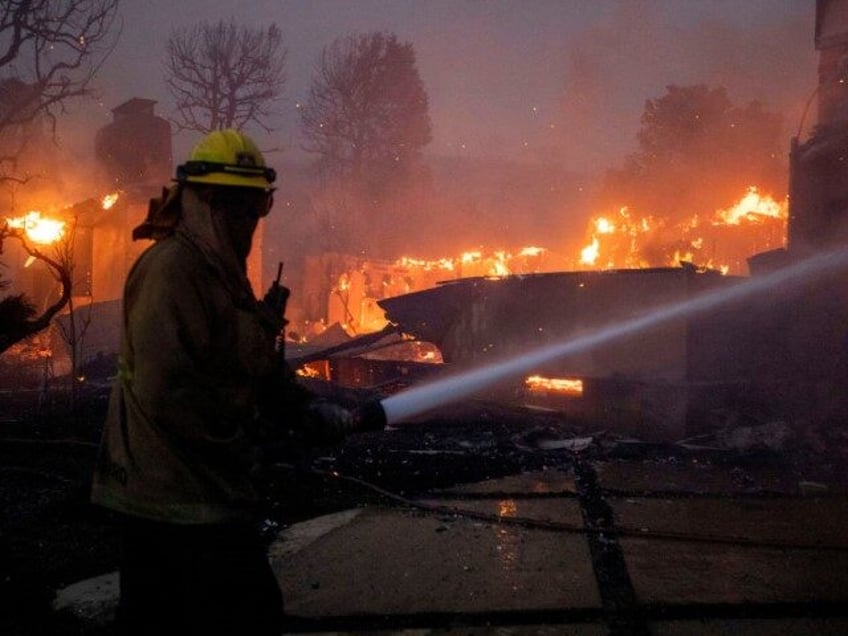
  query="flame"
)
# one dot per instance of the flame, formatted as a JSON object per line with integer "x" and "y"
{"x": 109, "y": 200}
{"x": 439, "y": 264}
{"x": 344, "y": 283}
{"x": 752, "y": 208}
{"x": 495, "y": 264}
{"x": 589, "y": 254}
{"x": 566, "y": 386}
{"x": 615, "y": 240}
{"x": 532, "y": 251}
{"x": 623, "y": 238}
{"x": 308, "y": 372}
{"x": 605, "y": 226}
{"x": 499, "y": 267}
{"x": 38, "y": 229}
{"x": 470, "y": 257}
{"x": 722, "y": 241}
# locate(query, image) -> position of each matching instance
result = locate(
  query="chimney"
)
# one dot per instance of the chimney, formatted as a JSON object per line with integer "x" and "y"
{"x": 135, "y": 149}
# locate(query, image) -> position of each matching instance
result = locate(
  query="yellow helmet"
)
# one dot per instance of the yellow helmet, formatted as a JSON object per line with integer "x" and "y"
{"x": 227, "y": 158}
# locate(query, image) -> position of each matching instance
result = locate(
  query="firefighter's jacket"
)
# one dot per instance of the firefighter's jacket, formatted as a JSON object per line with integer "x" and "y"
{"x": 197, "y": 361}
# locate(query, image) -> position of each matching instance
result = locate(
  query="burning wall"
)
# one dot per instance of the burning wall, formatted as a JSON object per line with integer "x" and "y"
{"x": 92, "y": 237}
{"x": 723, "y": 240}
{"x": 347, "y": 290}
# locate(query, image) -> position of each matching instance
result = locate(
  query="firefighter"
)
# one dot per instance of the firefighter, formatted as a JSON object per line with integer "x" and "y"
{"x": 199, "y": 389}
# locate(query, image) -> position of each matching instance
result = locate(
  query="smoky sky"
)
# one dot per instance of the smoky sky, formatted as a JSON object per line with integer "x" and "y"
{"x": 523, "y": 80}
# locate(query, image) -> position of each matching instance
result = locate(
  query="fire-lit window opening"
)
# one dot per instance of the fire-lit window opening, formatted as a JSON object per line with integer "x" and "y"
{"x": 319, "y": 369}
{"x": 572, "y": 387}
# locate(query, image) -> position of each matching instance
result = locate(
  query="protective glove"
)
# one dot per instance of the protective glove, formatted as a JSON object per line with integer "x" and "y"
{"x": 331, "y": 423}
{"x": 328, "y": 423}
{"x": 370, "y": 417}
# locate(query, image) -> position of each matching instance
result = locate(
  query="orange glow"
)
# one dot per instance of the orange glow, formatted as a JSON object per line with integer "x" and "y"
{"x": 507, "y": 508}
{"x": 38, "y": 229}
{"x": 319, "y": 369}
{"x": 344, "y": 283}
{"x": 497, "y": 263}
{"x": 751, "y": 208}
{"x": 439, "y": 264}
{"x": 532, "y": 251}
{"x": 499, "y": 267}
{"x": 565, "y": 386}
{"x": 109, "y": 200}
{"x": 470, "y": 257}
{"x": 722, "y": 241}
{"x": 604, "y": 226}
{"x": 589, "y": 254}
{"x": 622, "y": 238}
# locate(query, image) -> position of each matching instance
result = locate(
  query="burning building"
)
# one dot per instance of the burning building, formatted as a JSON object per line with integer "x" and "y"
{"x": 783, "y": 355}
{"x": 93, "y": 236}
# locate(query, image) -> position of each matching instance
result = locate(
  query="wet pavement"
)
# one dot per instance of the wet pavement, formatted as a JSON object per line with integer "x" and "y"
{"x": 609, "y": 547}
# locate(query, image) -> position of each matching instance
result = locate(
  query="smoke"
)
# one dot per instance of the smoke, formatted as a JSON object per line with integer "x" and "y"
{"x": 636, "y": 50}
{"x": 633, "y": 54}
{"x": 529, "y": 108}
{"x": 538, "y": 119}
{"x": 54, "y": 170}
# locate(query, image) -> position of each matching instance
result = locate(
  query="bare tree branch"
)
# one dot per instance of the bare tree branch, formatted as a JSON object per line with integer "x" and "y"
{"x": 27, "y": 328}
{"x": 224, "y": 76}
{"x": 367, "y": 113}
{"x": 50, "y": 51}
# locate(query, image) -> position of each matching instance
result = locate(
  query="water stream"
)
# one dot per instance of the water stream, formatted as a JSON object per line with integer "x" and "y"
{"x": 420, "y": 399}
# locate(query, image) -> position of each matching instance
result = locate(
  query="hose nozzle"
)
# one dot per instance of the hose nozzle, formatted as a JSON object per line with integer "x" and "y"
{"x": 371, "y": 416}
